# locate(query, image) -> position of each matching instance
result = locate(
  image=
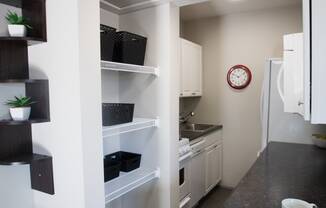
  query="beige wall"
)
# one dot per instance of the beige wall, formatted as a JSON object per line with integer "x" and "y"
{"x": 246, "y": 38}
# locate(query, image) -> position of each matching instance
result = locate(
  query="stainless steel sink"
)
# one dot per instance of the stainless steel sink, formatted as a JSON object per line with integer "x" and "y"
{"x": 195, "y": 127}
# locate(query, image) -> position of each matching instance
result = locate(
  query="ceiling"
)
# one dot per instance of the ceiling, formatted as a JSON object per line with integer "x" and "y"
{"x": 222, "y": 7}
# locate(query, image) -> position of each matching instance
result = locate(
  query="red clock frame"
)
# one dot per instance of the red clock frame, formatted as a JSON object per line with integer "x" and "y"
{"x": 246, "y": 69}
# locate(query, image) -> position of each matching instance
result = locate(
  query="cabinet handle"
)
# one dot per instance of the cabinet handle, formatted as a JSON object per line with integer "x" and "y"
{"x": 197, "y": 153}
{"x": 181, "y": 94}
{"x": 193, "y": 93}
{"x": 215, "y": 146}
{"x": 300, "y": 103}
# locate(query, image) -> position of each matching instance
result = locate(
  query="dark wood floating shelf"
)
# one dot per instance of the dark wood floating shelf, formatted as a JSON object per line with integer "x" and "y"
{"x": 22, "y": 81}
{"x": 16, "y": 144}
{"x": 40, "y": 170}
{"x": 23, "y": 159}
{"x": 30, "y": 40}
{"x": 31, "y": 121}
{"x": 14, "y": 3}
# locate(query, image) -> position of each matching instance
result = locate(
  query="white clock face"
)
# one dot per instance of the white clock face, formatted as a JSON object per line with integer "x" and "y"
{"x": 239, "y": 77}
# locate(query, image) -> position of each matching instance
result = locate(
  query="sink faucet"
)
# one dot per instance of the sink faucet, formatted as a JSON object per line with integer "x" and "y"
{"x": 184, "y": 119}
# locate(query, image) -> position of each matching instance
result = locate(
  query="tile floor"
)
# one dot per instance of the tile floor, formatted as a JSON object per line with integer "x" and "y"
{"x": 215, "y": 199}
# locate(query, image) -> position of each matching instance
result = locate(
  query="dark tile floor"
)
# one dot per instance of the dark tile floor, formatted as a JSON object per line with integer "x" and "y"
{"x": 215, "y": 199}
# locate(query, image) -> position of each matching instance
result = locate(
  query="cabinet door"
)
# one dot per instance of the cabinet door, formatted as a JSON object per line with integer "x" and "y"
{"x": 293, "y": 74}
{"x": 318, "y": 51}
{"x": 197, "y": 178}
{"x": 191, "y": 64}
{"x": 219, "y": 151}
{"x": 307, "y": 59}
{"x": 213, "y": 166}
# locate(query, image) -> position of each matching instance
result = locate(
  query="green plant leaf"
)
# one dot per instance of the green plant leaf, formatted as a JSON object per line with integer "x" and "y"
{"x": 20, "y": 102}
{"x": 14, "y": 19}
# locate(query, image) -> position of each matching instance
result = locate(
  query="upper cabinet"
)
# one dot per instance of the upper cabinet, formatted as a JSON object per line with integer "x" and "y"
{"x": 191, "y": 69}
{"x": 314, "y": 59}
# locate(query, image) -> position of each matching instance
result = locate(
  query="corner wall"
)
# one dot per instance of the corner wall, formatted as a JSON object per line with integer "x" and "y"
{"x": 70, "y": 61}
{"x": 244, "y": 38}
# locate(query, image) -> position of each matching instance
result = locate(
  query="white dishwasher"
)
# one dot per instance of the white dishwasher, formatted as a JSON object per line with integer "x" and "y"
{"x": 197, "y": 172}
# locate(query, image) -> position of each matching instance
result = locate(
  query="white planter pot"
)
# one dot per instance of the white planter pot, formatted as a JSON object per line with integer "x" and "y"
{"x": 20, "y": 114}
{"x": 17, "y": 30}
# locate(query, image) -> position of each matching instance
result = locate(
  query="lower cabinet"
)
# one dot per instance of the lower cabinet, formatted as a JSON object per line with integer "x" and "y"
{"x": 197, "y": 173}
{"x": 206, "y": 166}
{"x": 213, "y": 169}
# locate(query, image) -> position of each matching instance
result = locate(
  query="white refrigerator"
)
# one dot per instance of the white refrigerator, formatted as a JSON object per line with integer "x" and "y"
{"x": 276, "y": 124}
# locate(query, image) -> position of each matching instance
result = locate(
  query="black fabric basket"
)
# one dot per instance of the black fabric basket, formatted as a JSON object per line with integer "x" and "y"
{"x": 112, "y": 168}
{"x": 129, "y": 161}
{"x": 129, "y": 48}
{"x": 117, "y": 113}
{"x": 108, "y": 38}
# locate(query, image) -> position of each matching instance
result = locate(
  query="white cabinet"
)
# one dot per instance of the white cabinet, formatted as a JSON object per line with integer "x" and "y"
{"x": 191, "y": 69}
{"x": 213, "y": 157}
{"x": 314, "y": 60}
{"x": 318, "y": 60}
{"x": 293, "y": 74}
{"x": 306, "y": 59}
{"x": 197, "y": 178}
{"x": 206, "y": 165}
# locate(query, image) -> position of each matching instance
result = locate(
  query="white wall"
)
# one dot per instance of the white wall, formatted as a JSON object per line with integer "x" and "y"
{"x": 244, "y": 38}
{"x": 91, "y": 103}
{"x": 73, "y": 137}
{"x": 109, "y": 18}
{"x": 70, "y": 61}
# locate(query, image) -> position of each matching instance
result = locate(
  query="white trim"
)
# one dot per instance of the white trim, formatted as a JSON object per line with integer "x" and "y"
{"x": 133, "y": 7}
{"x": 181, "y": 3}
{"x": 115, "y": 66}
{"x": 137, "y": 125}
{"x": 129, "y": 181}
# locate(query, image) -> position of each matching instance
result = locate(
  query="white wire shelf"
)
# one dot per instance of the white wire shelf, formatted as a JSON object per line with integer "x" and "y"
{"x": 137, "y": 125}
{"x": 114, "y": 66}
{"x": 127, "y": 182}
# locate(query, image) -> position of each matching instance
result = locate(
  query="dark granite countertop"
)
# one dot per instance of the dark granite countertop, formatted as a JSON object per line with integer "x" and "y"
{"x": 283, "y": 171}
{"x": 194, "y": 135}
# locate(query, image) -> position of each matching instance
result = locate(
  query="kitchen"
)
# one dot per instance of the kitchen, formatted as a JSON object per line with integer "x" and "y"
{"x": 176, "y": 103}
{"x": 261, "y": 36}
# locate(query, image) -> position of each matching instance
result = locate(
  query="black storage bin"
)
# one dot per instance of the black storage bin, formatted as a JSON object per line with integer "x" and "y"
{"x": 130, "y": 48}
{"x": 117, "y": 113}
{"x": 108, "y": 38}
{"x": 129, "y": 161}
{"x": 112, "y": 167}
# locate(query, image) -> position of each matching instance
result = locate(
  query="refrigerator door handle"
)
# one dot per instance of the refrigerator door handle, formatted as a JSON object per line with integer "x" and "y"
{"x": 262, "y": 104}
{"x": 279, "y": 82}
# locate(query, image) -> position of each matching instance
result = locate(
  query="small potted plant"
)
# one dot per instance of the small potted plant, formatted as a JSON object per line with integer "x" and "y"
{"x": 20, "y": 108}
{"x": 17, "y": 25}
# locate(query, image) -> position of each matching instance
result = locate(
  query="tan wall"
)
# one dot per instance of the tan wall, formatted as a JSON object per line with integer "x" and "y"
{"x": 246, "y": 38}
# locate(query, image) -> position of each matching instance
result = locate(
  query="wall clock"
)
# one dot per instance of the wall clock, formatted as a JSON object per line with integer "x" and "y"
{"x": 239, "y": 77}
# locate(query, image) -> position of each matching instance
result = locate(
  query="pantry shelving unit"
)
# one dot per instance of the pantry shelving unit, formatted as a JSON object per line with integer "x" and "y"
{"x": 16, "y": 145}
{"x": 114, "y": 66}
{"x": 150, "y": 88}
{"x": 128, "y": 182}
{"x": 126, "y": 83}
